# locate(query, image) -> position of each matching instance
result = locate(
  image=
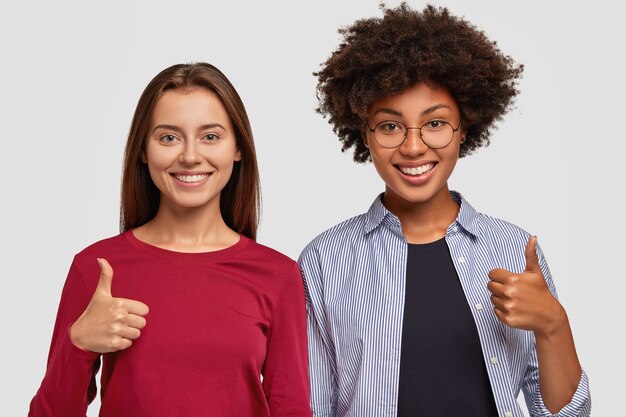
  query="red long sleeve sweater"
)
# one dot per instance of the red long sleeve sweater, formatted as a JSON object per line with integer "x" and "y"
{"x": 217, "y": 322}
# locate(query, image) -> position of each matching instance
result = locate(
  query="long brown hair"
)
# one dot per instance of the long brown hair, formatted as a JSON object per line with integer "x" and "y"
{"x": 240, "y": 198}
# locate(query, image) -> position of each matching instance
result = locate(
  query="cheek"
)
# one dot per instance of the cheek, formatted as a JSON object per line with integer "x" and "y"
{"x": 156, "y": 161}
{"x": 223, "y": 157}
{"x": 380, "y": 159}
{"x": 450, "y": 154}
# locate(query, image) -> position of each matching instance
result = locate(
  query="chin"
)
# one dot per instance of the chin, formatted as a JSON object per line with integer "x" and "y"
{"x": 415, "y": 195}
{"x": 190, "y": 203}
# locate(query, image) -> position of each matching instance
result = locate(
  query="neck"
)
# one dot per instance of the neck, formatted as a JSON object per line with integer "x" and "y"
{"x": 182, "y": 229}
{"x": 425, "y": 221}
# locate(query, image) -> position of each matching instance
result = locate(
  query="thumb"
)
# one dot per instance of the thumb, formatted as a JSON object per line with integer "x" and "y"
{"x": 532, "y": 261}
{"x": 106, "y": 277}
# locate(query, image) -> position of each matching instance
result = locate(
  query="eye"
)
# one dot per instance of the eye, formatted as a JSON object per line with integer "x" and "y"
{"x": 389, "y": 127}
{"x": 168, "y": 139}
{"x": 211, "y": 137}
{"x": 435, "y": 125}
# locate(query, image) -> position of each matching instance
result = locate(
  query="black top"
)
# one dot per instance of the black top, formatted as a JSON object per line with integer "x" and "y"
{"x": 442, "y": 370}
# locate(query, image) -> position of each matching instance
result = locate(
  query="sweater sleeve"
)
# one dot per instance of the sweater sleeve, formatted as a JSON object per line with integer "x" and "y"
{"x": 69, "y": 384}
{"x": 285, "y": 376}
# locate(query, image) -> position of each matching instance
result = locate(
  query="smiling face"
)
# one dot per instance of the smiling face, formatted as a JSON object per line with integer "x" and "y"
{"x": 413, "y": 172}
{"x": 190, "y": 148}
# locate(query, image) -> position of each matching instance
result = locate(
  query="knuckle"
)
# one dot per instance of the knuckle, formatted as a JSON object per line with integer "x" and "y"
{"x": 509, "y": 292}
{"x": 115, "y": 328}
{"x": 120, "y": 343}
{"x": 116, "y": 343}
{"x": 118, "y": 317}
{"x": 509, "y": 306}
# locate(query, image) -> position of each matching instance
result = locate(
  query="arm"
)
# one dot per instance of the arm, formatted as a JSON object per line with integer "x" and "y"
{"x": 322, "y": 368}
{"x": 555, "y": 383}
{"x": 285, "y": 377}
{"x": 69, "y": 384}
{"x": 87, "y": 325}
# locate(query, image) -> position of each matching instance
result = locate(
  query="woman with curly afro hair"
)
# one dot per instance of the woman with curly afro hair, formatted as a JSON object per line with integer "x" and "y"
{"x": 422, "y": 306}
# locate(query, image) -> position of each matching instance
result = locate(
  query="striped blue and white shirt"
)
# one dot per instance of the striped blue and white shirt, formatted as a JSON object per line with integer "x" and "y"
{"x": 355, "y": 277}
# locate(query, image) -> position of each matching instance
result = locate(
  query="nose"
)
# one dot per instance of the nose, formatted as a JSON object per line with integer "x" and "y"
{"x": 190, "y": 154}
{"x": 413, "y": 145}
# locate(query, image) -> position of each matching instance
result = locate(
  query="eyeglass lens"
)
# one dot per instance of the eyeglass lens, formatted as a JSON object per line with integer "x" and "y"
{"x": 435, "y": 134}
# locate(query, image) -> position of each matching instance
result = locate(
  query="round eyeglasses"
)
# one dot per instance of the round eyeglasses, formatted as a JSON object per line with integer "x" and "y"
{"x": 436, "y": 134}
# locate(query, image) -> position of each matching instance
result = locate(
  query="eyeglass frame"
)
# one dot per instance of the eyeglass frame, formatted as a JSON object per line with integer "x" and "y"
{"x": 406, "y": 132}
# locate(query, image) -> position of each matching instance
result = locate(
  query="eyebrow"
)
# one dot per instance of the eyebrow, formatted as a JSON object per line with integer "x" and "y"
{"x": 434, "y": 108}
{"x": 387, "y": 110}
{"x": 398, "y": 113}
{"x": 178, "y": 129}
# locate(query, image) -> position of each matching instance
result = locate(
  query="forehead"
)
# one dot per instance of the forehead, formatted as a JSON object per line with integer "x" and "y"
{"x": 189, "y": 105}
{"x": 417, "y": 98}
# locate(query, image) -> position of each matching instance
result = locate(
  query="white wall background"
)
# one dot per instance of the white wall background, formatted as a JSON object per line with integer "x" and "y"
{"x": 72, "y": 72}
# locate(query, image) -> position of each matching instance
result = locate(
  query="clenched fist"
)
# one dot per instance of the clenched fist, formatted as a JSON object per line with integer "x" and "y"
{"x": 108, "y": 324}
{"x": 523, "y": 301}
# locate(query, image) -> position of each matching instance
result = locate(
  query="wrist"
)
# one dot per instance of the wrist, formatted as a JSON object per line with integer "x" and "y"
{"x": 75, "y": 337}
{"x": 555, "y": 324}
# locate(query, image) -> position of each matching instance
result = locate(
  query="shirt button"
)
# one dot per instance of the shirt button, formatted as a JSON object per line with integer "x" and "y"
{"x": 455, "y": 228}
{"x": 479, "y": 306}
{"x": 462, "y": 259}
{"x": 494, "y": 359}
{"x": 508, "y": 414}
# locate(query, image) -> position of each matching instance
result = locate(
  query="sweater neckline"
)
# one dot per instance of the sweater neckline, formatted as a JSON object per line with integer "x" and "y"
{"x": 212, "y": 256}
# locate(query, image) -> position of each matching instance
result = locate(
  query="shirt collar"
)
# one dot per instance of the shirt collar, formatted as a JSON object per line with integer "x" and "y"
{"x": 467, "y": 218}
{"x": 376, "y": 214}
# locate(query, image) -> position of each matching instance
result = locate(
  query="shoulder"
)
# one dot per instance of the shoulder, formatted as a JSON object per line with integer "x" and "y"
{"x": 485, "y": 226}
{"x": 493, "y": 224}
{"x": 349, "y": 230}
{"x": 496, "y": 229}
{"x": 268, "y": 258}
{"x": 103, "y": 248}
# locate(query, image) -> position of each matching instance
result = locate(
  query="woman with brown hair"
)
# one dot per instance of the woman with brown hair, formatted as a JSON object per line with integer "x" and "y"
{"x": 198, "y": 319}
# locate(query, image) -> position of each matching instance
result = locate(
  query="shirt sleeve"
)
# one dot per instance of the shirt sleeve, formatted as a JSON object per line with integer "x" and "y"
{"x": 285, "y": 376}
{"x": 322, "y": 364}
{"x": 69, "y": 384}
{"x": 580, "y": 404}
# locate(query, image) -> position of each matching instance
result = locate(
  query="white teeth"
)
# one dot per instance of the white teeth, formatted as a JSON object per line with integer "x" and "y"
{"x": 191, "y": 178}
{"x": 417, "y": 170}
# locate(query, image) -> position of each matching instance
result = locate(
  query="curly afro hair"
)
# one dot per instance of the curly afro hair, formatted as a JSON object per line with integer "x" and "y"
{"x": 380, "y": 57}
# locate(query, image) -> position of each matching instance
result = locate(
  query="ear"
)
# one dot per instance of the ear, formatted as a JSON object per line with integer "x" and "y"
{"x": 463, "y": 135}
{"x": 142, "y": 157}
{"x": 237, "y": 156}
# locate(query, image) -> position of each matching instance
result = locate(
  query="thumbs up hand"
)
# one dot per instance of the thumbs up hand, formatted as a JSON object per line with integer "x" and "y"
{"x": 523, "y": 301}
{"x": 108, "y": 324}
